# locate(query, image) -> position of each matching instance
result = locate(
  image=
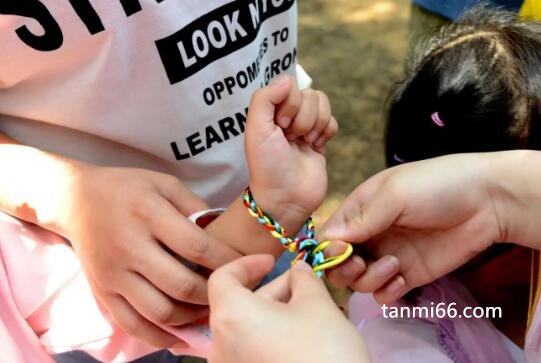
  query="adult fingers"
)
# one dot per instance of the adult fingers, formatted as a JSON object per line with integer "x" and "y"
{"x": 392, "y": 291}
{"x": 343, "y": 275}
{"x": 184, "y": 200}
{"x": 157, "y": 307}
{"x": 306, "y": 286}
{"x": 365, "y": 213}
{"x": 324, "y": 118}
{"x": 377, "y": 274}
{"x": 186, "y": 238}
{"x": 236, "y": 279}
{"x": 133, "y": 324}
{"x": 172, "y": 277}
{"x": 278, "y": 289}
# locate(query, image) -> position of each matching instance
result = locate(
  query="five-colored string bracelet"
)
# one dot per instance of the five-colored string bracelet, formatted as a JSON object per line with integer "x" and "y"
{"x": 306, "y": 247}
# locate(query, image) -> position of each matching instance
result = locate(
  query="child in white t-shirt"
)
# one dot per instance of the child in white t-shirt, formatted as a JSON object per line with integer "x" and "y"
{"x": 118, "y": 120}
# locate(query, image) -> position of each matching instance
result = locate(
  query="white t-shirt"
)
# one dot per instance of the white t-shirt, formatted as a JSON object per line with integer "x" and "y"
{"x": 158, "y": 84}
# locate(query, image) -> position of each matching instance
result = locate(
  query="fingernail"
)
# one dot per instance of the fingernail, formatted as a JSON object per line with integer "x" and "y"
{"x": 180, "y": 345}
{"x": 301, "y": 265}
{"x": 352, "y": 269}
{"x": 396, "y": 286}
{"x": 320, "y": 142}
{"x": 281, "y": 81}
{"x": 355, "y": 267}
{"x": 335, "y": 248}
{"x": 311, "y": 136}
{"x": 284, "y": 122}
{"x": 387, "y": 266}
{"x": 290, "y": 137}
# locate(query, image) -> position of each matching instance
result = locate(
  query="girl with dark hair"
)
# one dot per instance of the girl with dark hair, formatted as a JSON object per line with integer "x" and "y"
{"x": 474, "y": 87}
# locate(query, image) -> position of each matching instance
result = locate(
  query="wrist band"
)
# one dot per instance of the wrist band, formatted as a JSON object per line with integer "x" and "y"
{"x": 306, "y": 247}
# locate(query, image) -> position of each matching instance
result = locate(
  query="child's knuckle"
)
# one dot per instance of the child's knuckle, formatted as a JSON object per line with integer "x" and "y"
{"x": 309, "y": 93}
{"x": 143, "y": 207}
{"x": 198, "y": 247}
{"x": 333, "y": 128}
{"x": 302, "y": 126}
{"x": 130, "y": 326}
{"x": 322, "y": 96}
{"x": 223, "y": 320}
{"x": 185, "y": 289}
{"x": 171, "y": 182}
{"x": 164, "y": 313}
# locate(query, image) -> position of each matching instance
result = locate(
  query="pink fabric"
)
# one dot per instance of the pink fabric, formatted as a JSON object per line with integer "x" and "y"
{"x": 533, "y": 339}
{"x": 46, "y": 305}
{"x": 403, "y": 340}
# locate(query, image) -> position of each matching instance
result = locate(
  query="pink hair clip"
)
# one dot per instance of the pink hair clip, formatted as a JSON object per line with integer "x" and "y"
{"x": 396, "y": 158}
{"x": 437, "y": 120}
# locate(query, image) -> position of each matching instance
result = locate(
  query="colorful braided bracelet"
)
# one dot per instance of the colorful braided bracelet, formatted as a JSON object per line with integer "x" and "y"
{"x": 306, "y": 247}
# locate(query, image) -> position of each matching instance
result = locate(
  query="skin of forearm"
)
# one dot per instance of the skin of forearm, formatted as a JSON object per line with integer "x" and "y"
{"x": 34, "y": 184}
{"x": 237, "y": 228}
{"x": 515, "y": 179}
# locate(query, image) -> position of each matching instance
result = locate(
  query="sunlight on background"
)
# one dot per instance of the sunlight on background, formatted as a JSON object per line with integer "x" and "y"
{"x": 354, "y": 50}
{"x": 380, "y": 10}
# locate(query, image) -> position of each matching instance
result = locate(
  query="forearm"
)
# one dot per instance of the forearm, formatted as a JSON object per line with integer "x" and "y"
{"x": 237, "y": 228}
{"x": 34, "y": 184}
{"x": 515, "y": 184}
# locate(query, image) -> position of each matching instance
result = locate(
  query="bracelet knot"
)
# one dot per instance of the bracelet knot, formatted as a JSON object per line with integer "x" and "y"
{"x": 306, "y": 247}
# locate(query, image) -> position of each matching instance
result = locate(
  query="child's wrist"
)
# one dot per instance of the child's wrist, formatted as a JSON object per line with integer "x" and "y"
{"x": 281, "y": 207}
{"x": 514, "y": 179}
{"x": 69, "y": 204}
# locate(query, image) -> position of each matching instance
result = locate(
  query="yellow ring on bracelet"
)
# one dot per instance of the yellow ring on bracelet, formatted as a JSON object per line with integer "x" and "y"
{"x": 334, "y": 260}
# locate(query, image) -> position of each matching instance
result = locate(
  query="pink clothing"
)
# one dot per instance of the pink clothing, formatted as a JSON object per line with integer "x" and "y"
{"x": 438, "y": 340}
{"x": 47, "y": 307}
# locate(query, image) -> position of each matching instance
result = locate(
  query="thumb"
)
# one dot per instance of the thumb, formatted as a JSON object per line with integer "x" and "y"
{"x": 277, "y": 290}
{"x": 305, "y": 285}
{"x": 236, "y": 279}
{"x": 365, "y": 214}
{"x": 261, "y": 112}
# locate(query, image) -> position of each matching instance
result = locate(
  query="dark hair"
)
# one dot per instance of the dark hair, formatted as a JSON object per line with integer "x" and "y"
{"x": 474, "y": 87}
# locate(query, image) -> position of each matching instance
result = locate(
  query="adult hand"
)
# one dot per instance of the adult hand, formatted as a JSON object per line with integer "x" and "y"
{"x": 293, "y": 319}
{"x": 126, "y": 225}
{"x": 422, "y": 220}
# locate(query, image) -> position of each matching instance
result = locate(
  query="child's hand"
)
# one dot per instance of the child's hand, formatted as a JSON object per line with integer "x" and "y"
{"x": 120, "y": 222}
{"x": 286, "y": 133}
{"x": 422, "y": 220}
{"x": 293, "y": 319}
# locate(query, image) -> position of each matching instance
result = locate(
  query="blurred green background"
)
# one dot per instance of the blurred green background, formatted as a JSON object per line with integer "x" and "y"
{"x": 354, "y": 50}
